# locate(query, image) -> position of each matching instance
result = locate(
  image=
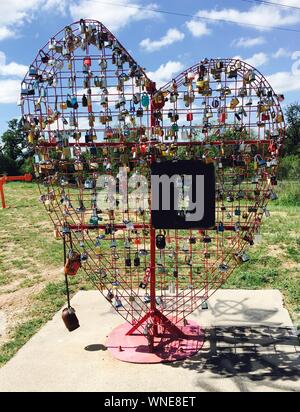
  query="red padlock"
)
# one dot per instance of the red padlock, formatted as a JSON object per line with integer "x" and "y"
{"x": 87, "y": 61}
{"x": 265, "y": 117}
{"x": 189, "y": 116}
{"x": 272, "y": 148}
{"x": 222, "y": 117}
{"x": 143, "y": 149}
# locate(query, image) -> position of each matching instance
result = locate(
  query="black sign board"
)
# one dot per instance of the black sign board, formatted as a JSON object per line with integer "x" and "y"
{"x": 182, "y": 194}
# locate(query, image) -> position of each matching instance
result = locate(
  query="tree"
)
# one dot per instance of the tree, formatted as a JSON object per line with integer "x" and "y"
{"x": 13, "y": 140}
{"x": 11, "y": 156}
{"x": 292, "y": 141}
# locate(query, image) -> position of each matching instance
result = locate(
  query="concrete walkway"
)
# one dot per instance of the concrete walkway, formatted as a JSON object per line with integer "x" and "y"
{"x": 250, "y": 346}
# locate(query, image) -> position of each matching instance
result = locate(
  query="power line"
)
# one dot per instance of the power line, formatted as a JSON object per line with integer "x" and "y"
{"x": 195, "y": 17}
{"x": 271, "y": 3}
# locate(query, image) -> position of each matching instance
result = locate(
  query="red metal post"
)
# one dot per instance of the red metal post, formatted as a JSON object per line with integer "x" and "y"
{"x": 2, "y": 181}
{"x": 152, "y": 250}
{"x": 26, "y": 178}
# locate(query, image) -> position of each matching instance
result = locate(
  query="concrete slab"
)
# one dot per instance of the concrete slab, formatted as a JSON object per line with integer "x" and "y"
{"x": 250, "y": 346}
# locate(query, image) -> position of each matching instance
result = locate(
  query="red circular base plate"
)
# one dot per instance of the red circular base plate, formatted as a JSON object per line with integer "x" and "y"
{"x": 167, "y": 348}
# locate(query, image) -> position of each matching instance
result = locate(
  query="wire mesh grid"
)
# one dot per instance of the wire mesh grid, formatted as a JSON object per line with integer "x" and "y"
{"x": 88, "y": 109}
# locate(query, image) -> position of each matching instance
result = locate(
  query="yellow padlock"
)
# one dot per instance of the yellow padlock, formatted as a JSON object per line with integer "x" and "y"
{"x": 234, "y": 102}
{"x": 30, "y": 137}
{"x": 200, "y": 84}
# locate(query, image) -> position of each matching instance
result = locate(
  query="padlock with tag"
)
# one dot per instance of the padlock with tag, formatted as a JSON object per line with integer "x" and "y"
{"x": 145, "y": 280}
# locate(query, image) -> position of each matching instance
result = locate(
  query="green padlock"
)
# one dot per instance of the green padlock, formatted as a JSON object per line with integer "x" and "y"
{"x": 145, "y": 100}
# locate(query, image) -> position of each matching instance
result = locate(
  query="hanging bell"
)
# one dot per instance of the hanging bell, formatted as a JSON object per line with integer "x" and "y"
{"x": 70, "y": 319}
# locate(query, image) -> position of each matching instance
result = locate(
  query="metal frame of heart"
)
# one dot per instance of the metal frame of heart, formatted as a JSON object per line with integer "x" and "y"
{"x": 88, "y": 109}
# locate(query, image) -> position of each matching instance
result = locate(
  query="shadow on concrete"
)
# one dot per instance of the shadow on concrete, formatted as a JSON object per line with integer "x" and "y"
{"x": 255, "y": 353}
{"x": 231, "y": 308}
{"x": 95, "y": 347}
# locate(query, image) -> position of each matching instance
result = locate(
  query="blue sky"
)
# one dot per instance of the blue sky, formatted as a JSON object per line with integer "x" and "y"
{"x": 164, "y": 44}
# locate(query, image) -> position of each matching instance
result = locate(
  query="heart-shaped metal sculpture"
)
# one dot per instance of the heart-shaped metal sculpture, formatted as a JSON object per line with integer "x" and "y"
{"x": 96, "y": 122}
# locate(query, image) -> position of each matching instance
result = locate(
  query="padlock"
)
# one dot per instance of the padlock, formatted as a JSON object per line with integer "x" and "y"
{"x": 136, "y": 260}
{"x": 73, "y": 263}
{"x": 143, "y": 285}
{"x": 232, "y": 72}
{"x": 103, "y": 64}
{"x": 84, "y": 101}
{"x": 44, "y": 57}
{"x": 208, "y": 112}
{"x": 220, "y": 227}
{"x": 237, "y": 227}
{"x": 189, "y": 116}
{"x": 215, "y": 103}
{"x": 206, "y": 239}
{"x": 223, "y": 267}
{"x": 259, "y": 161}
{"x": 230, "y": 197}
{"x": 237, "y": 211}
{"x": 234, "y": 102}
{"x": 222, "y": 116}
{"x": 88, "y": 184}
{"x": 139, "y": 112}
{"x": 248, "y": 238}
{"x": 33, "y": 72}
{"x": 242, "y": 92}
{"x": 128, "y": 260}
{"x": 145, "y": 100}
{"x": 272, "y": 195}
{"x": 147, "y": 298}
{"x": 160, "y": 241}
{"x": 118, "y": 303}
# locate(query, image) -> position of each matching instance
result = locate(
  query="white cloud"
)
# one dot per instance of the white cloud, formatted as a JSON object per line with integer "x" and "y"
{"x": 281, "y": 52}
{"x": 257, "y": 60}
{"x": 165, "y": 72}
{"x": 172, "y": 36}
{"x": 248, "y": 41}
{"x": 113, "y": 16}
{"x": 283, "y": 82}
{"x": 197, "y": 28}
{"x": 262, "y": 14}
{"x": 57, "y": 5}
{"x": 6, "y": 33}
{"x": 9, "y": 91}
{"x": 14, "y": 13}
{"x": 17, "y": 11}
{"x": 11, "y": 69}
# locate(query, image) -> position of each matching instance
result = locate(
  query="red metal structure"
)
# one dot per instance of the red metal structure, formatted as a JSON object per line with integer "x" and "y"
{"x": 89, "y": 109}
{"x": 25, "y": 178}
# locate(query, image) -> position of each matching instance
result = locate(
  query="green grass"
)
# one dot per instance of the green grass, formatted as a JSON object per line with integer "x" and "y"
{"x": 275, "y": 261}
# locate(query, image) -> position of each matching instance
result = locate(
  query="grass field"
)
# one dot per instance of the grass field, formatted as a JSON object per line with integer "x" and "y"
{"x": 31, "y": 278}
